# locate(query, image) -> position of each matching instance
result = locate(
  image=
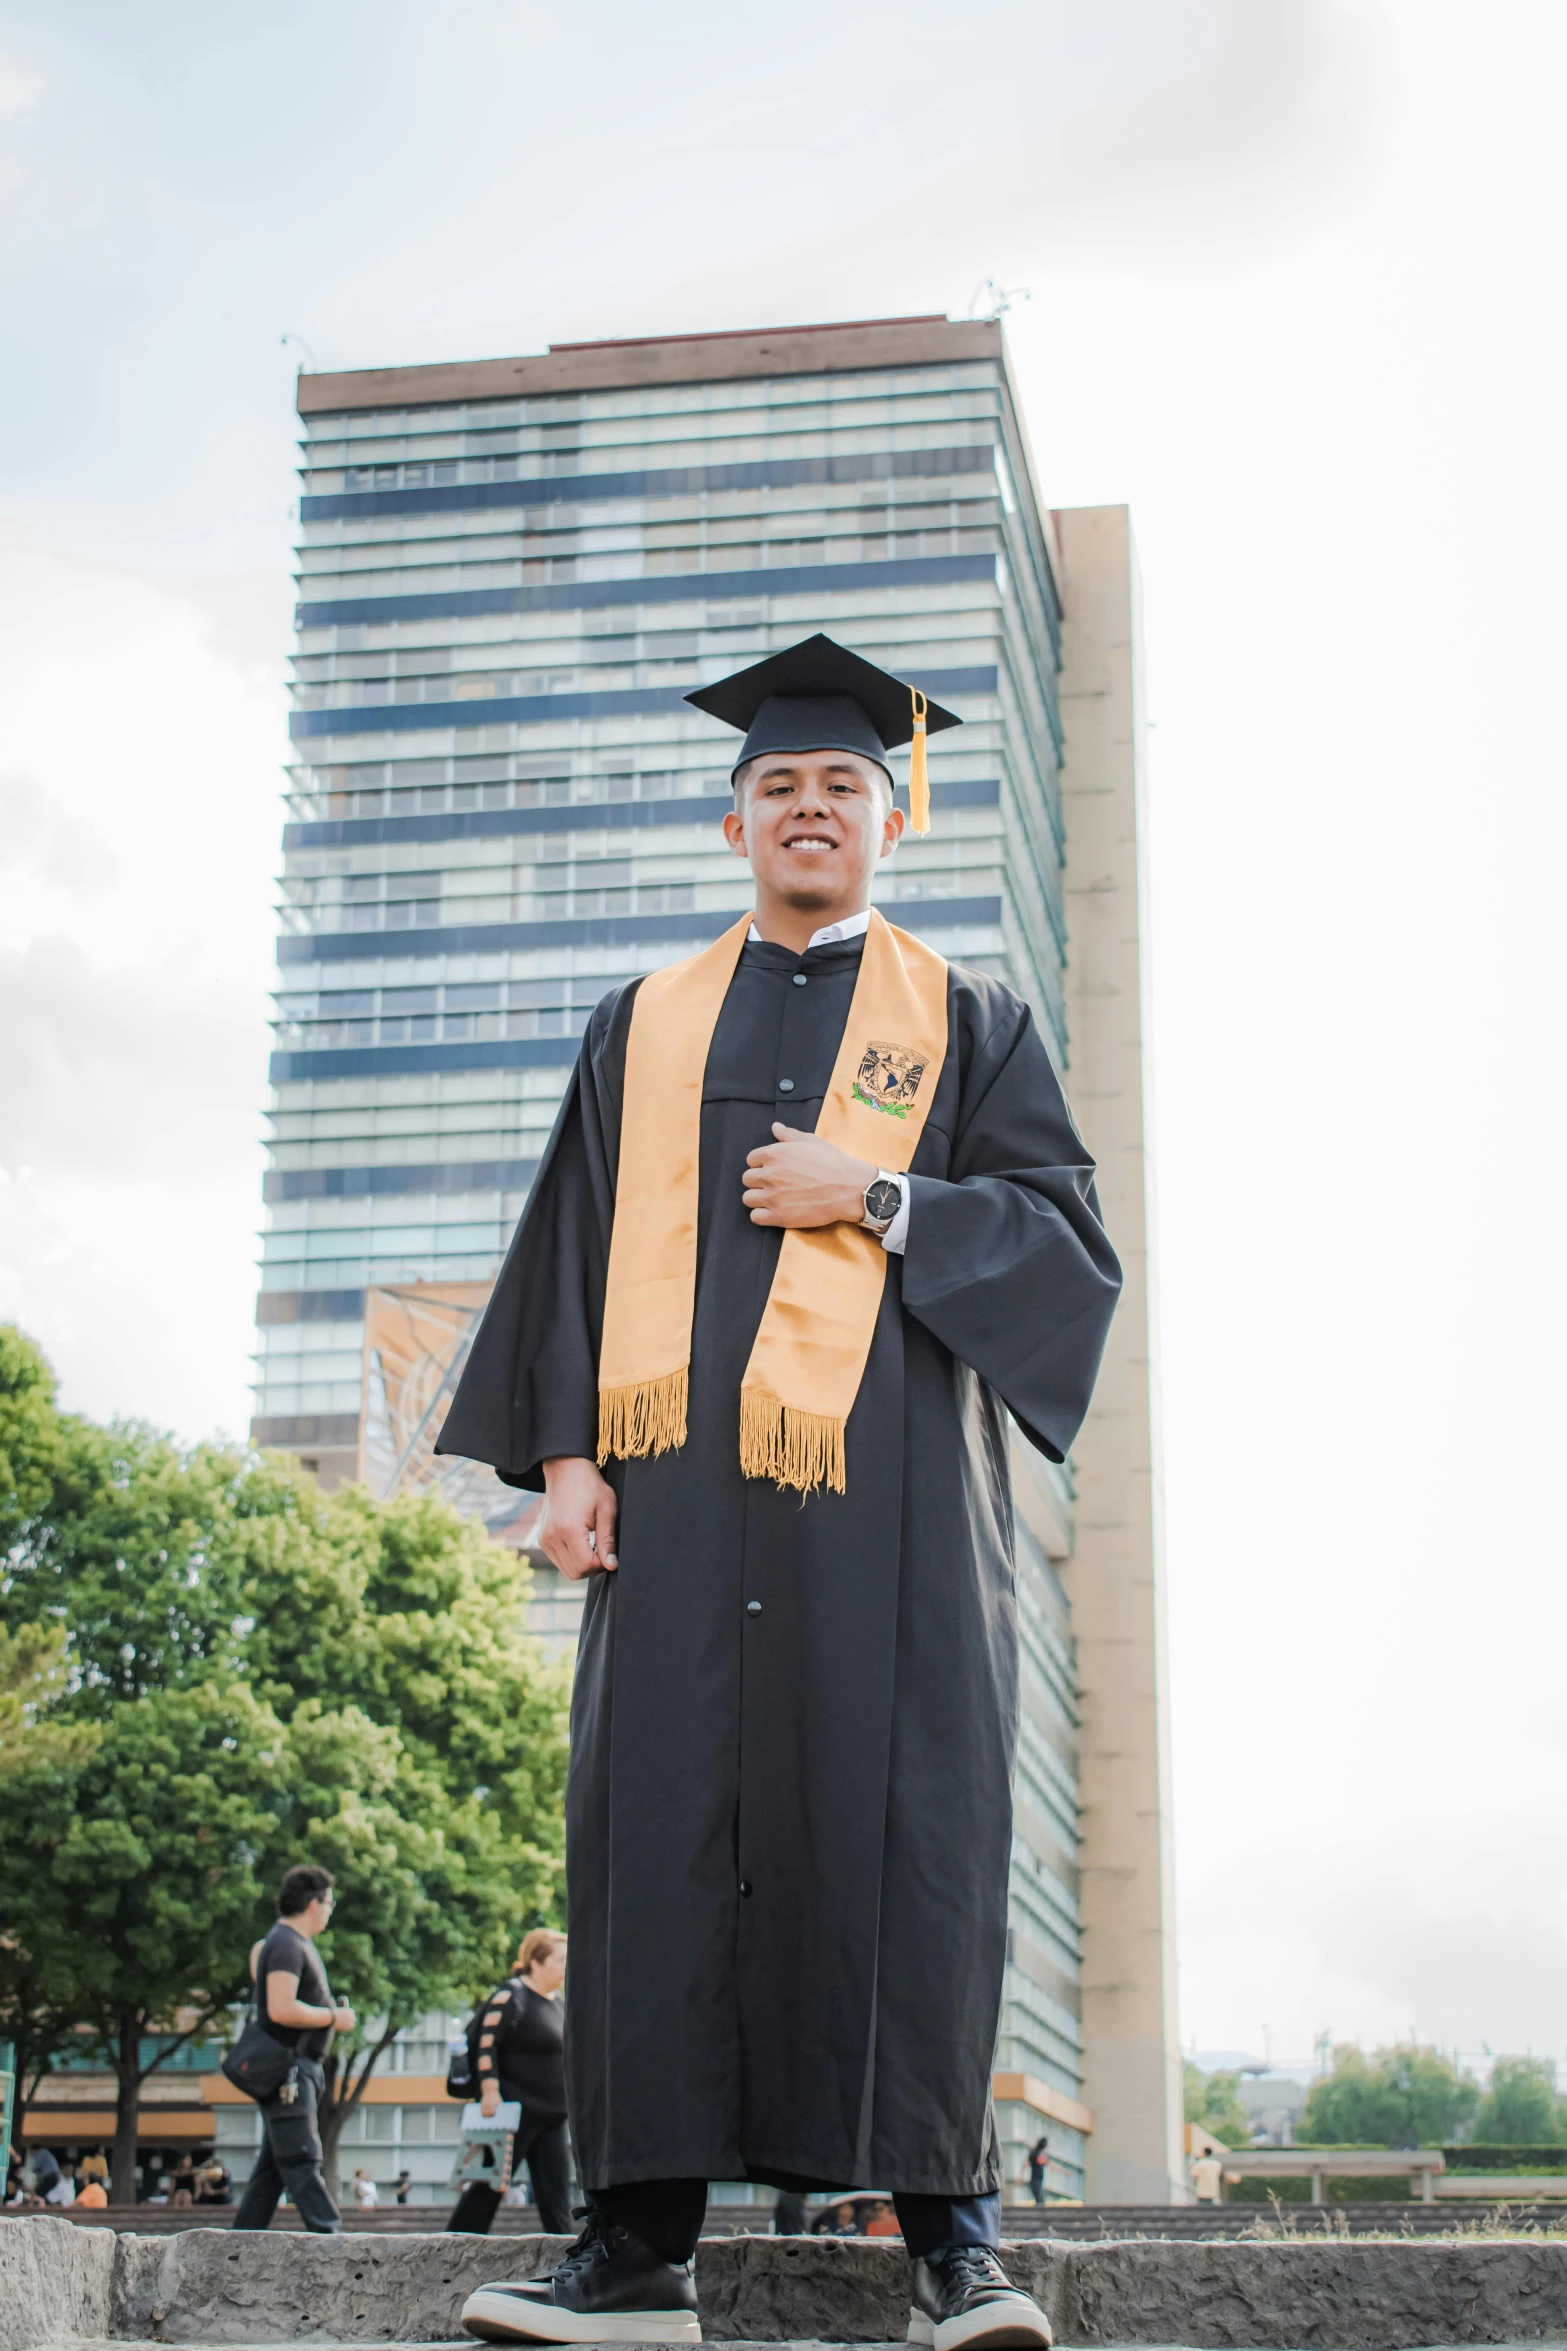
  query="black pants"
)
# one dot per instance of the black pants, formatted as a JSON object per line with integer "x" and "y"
{"x": 291, "y": 2158}
{"x": 668, "y": 2215}
{"x": 541, "y": 2143}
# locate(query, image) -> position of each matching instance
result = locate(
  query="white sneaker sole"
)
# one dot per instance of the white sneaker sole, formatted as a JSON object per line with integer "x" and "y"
{"x": 1010, "y": 2319}
{"x": 497, "y": 2317}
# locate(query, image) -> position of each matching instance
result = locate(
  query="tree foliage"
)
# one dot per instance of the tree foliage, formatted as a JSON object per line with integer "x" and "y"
{"x": 30, "y": 1436}
{"x": 1520, "y": 2107}
{"x": 405, "y": 1614}
{"x": 208, "y": 1671}
{"x": 128, "y": 1869}
{"x": 1404, "y": 2096}
{"x": 34, "y": 2015}
{"x": 1213, "y": 2102}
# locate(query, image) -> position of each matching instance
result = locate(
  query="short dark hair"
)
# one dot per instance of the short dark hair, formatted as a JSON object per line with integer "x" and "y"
{"x": 303, "y": 1884}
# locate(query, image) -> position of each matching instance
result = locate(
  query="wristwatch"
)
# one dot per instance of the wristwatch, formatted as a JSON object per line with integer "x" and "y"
{"x": 883, "y": 1199}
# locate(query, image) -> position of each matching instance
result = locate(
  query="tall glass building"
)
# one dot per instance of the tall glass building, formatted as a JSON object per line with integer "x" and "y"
{"x": 510, "y": 572}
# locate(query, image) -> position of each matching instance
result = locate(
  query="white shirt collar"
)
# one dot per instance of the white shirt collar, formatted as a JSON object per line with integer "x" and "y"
{"x": 853, "y": 926}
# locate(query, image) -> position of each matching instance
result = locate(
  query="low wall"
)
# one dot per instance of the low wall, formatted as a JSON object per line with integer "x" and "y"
{"x": 60, "y": 2283}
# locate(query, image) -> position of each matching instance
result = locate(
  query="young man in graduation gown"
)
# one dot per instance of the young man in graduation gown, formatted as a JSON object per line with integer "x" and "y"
{"x": 814, "y": 1220}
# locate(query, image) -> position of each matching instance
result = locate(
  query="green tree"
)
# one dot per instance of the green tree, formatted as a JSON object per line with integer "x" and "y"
{"x": 1213, "y": 2102}
{"x": 234, "y": 1673}
{"x": 406, "y": 1609}
{"x": 129, "y": 1870}
{"x": 130, "y": 1558}
{"x": 1520, "y": 2107}
{"x": 1404, "y": 2096}
{"x": 34, "y": 2016}
{"x": 405, "y": 1612}
{"x": 30, "y": 1437}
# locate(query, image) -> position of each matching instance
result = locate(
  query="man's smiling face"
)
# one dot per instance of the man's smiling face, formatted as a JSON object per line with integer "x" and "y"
{"x": 814, "y": 825}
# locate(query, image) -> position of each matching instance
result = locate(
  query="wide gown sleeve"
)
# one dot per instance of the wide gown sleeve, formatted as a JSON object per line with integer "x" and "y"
{"x": 529, "y": 1389}
{"x": 1008, "y": 1263}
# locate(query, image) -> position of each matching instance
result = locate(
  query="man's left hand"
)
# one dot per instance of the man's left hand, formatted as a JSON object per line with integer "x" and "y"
{"x": 803, "y": 1182}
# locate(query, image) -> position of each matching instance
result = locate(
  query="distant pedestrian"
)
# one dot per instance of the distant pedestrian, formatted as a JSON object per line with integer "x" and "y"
{"x": 213, "y": 2184}
{"x": 50, "y": 2183}
{"x": 95, "y": 2167}
{"x": 295, "y": 2006}
{"x": 401, "y": 2185}
{"x": 836, "y": 2220}
{"x": 1208, "y": 2179}
{"x": 516, "y": 2053}
{"x": 93, "y": 2196}
{"x": 1038, "y": 2167}
{"x": 366, "y": 2194}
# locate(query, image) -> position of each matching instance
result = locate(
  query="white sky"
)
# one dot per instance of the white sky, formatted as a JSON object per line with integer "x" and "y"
{"x": 1295, "y": 275}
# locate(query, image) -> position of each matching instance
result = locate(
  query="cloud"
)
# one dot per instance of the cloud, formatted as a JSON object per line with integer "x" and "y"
{"x": 1192, "y": 138}
{"x": 112, "y": 1074}
{"x": 138, "y": 830}
{"x": 1272, "y": 116}
{"x": 1454, "y": 1931}
{"x": 1184, "y": 136}
{"x": 1491, "y": 1975}
{"x": 21, "y": 85}
{"x": 40, "y": 836}
{"x": 140, "y": 1293}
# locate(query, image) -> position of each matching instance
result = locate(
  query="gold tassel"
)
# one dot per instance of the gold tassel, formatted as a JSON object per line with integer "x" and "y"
{"x": 647, "y": 1418}
{"x": 919, "y": 774}
{"x": 800, "y": 1449}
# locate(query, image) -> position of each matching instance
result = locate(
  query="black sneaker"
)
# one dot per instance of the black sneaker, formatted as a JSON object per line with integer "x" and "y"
{"x": 963, "y": 2296}
{"x": 610, "y": 2288}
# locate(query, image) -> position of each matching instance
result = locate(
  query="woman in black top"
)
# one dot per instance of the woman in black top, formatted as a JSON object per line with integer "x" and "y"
{"x": 521, "y": 2056}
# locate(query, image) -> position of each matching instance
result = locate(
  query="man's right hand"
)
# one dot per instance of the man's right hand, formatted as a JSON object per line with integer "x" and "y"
{"x": 489, "y": 2095}
{"x": 577, "y": 1531}
{"x": 342, "y": 2020}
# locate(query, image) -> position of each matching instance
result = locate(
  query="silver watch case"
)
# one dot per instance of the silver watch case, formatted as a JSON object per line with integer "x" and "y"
{"x": 882, "y": 1182}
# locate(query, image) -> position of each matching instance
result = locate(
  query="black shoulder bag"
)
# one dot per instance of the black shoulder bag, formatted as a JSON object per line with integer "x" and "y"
{"x": 258, "y": 2064}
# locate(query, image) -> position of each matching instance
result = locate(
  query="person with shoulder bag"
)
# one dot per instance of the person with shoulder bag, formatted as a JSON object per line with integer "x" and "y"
{"x": 296, "y": 2013}
{"x": 516, "y": 2052}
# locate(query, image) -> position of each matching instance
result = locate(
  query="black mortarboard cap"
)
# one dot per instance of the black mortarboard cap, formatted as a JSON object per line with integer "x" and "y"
{"x": 818, "y": 696}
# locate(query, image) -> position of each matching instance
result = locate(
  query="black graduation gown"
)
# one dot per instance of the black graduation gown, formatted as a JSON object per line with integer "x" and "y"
{"x": 788, "y": 1830}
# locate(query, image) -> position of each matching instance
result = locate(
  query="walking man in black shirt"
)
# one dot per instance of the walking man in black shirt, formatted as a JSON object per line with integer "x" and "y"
{"x": 295, "y": 2006}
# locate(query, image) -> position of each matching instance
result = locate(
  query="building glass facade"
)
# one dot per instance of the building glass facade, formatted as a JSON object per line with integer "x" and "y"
{"x": 499, "y": 807}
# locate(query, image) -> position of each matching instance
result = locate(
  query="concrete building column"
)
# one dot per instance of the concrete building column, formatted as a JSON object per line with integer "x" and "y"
{"x": 1115, "y": 1576}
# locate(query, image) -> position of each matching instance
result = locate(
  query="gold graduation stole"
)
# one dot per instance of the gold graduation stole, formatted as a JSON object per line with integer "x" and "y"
{"x": 815, "y": 1335}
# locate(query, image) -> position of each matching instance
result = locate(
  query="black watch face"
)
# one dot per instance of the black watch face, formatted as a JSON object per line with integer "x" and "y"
{"x": 881, "y": 1200}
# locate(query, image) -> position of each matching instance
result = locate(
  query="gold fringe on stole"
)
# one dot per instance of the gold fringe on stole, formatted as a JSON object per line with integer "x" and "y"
{"x": 800, "y": 1449}
{"x": 919, "y": 773}
{"x": 648, "y": 1417}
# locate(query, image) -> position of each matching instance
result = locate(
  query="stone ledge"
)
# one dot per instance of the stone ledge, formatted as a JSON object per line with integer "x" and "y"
{"x": 64, "y": 2283}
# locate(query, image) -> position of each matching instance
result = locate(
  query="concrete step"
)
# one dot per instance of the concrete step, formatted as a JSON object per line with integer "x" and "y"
{"x": 214, "y": 2287}
{"x": 1074, "y": 2221}
{"x": 82, "y": 2343}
